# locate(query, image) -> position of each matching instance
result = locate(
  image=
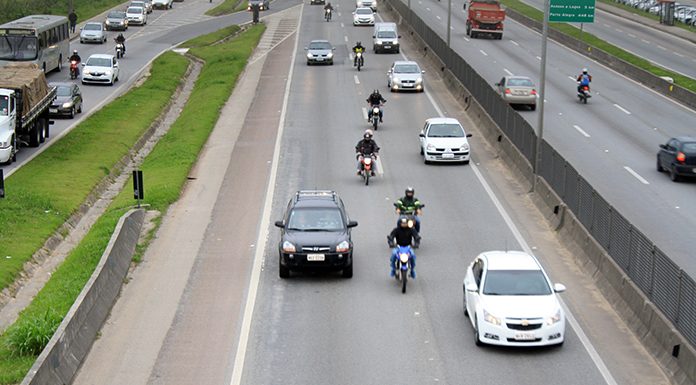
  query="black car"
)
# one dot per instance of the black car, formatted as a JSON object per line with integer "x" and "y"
{"x": 678, "y": 157}
{"x": 312, "y": 2}
{"x": 315, "y": 234}
{"x": 68, "y": 100}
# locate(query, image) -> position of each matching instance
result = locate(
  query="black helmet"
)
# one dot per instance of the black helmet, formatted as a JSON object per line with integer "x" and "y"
{"x": 403, "y": 222}
{"x": 410, "y": 192}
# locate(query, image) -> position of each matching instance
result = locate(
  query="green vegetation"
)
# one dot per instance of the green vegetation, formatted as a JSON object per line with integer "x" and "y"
{"x": 647, "y": 15}
{"x": 85, "y": 9}
{"x": 596, "y": 42}
{"x": 165, "y": 171}
{"x": 227, "y": 7}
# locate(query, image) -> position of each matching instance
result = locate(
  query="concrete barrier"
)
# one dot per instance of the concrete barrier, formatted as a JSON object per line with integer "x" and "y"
{"x": 648, "y": 79}
{"x": 61, "y": 358}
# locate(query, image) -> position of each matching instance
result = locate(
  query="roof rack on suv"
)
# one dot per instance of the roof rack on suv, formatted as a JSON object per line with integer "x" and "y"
{"x": 315, "y": 194}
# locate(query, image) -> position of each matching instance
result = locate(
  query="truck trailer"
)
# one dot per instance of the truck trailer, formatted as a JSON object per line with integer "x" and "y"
{"x": 484, "y": 17}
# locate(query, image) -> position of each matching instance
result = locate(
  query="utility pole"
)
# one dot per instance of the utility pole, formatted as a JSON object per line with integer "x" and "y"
{"x": 449, "y": 21}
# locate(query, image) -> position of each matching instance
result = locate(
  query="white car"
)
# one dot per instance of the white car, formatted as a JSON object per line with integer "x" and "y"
{"x": 510, "y": 301}
{"x": 162, "y": 4}
{"x": 444, "y": 140}
{"x": 372, "y": 4}
{"x": 100, "y": 68}
{"x": 136, "y": 16}
{"x": 363, "y": 16}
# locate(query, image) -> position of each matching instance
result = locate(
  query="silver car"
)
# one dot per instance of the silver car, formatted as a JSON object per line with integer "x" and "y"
{"x": 518, "y": 90}
{"x": 93, "y": 32}
{"x": 116, "y": 20}
{"x": 405, "y": 76}
{"x": 320, "y": 52}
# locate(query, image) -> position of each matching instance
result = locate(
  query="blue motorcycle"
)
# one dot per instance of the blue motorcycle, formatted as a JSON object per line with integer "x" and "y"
{"x": 402, "y": 264}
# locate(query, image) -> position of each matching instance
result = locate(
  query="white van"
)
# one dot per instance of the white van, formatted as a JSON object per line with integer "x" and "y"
{"x": 385, "y": 38}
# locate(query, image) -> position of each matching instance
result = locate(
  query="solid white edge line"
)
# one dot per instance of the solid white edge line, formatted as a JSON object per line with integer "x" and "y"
{"x": 627, "y": 112}
{"x": 240, "y": 356}
{"x": 580, "y": 130}
{"x": 636, "y": 175}
{"x": 355, "y": 77}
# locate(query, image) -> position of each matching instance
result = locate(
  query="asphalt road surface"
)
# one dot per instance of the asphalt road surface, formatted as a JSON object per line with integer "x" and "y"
{"x": 611, "y": 141}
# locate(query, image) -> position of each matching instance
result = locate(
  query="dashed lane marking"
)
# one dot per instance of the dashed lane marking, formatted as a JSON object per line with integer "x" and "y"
{"x": 357, "y": 81}
{"x": 508, "y": 71}
{"x": 627, "y": 112}
{"x": 636, "y": 175}
{"x": 580, "y": 130}
{"x": 515, "y": 43}
{"x": 483, "y": 52}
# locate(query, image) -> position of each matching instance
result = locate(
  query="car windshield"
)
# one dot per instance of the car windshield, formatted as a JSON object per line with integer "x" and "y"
{"x": 320, "y": 45}
{"x": 92, "y": 27}
{"x": 520, "y": 82}
{"x": 363, "y": 11}
{"x": 407, "y": 69}
{"x": 516, "y": 282}
{"x": 116, "y": 15}
{"x": 386, "y": 34}
{"x": 4, "y": 105}
{"x": 18, "y": 47}
{"x": 137, "y": 10}
{"x": 446, "y": 131}
{"x": 315, "y": 219}
{"x": 99, "y": 62}
{"x": 63, "y": 91}
{"x": 689, "y": 148}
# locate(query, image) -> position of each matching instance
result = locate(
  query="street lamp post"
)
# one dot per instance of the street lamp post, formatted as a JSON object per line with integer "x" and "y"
{"x": 542, "y": 93}
{"x": 449, "y": 21}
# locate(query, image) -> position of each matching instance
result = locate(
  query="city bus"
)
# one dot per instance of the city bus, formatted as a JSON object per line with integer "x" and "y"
{"x": 40, "y": 39}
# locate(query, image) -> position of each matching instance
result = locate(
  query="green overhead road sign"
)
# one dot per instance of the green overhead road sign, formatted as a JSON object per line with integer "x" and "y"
{"x": 572, "y": 11}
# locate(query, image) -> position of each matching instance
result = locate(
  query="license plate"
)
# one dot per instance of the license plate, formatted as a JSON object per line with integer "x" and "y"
{"x": 319, "y": 59}
{"x": 447, "y": 156}
{"x": 315, "y": 257}
{"x": 387, "y": 46}
{"x": 524, "y": 336}
{"x": 53, "y": 110}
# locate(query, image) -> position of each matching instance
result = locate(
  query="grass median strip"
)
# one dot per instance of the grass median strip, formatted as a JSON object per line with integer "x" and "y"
{"x": 596, "y": 42}
{"x": 165, "y": 171}
{"x": 227, "y": 7}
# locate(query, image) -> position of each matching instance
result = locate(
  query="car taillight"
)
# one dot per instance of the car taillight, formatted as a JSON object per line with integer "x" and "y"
{"x": 681, "y": 158}
{"x": 533, "y": 92}
{"x": 507, "y": 91}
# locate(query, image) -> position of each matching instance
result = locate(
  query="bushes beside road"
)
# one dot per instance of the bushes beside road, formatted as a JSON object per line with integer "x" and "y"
{"x": 165, "y": 171}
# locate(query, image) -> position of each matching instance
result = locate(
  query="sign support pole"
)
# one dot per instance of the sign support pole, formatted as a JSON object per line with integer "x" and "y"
{"x": 542, "y": 93}
{"x": 449, "y": 22}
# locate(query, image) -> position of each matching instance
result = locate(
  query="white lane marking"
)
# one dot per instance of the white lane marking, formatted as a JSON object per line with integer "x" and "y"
{"x": 678, "y": 54}
{"x": 345, "y": 38}
{"x": 255, "y": 278}
{"x": 662, "y": 48}
{"x": 538, "y": 57}
{"x": 571, "y": 78}
{"x": 514, "y": 42}
{"x": 364, "y": 110}
{"x": 342, "y": 25}
{"x": 508, "y": 72}
{"x": 466, "y": 38}
{"x": 427, "y": 9}
{"x": 636, "y": 175}
{"x": 357, "y": 81}
{"x": 627, "y": 112}
{"x": 580, "y": 130}
{"x": 483, "y": 52}
{"x": 438, "y": 17}
{"x": 631, "y": 35}
{"x": 645, "y": 41}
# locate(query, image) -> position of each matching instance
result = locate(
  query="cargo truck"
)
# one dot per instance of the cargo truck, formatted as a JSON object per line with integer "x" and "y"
{"x": 484, "y": 17}
{"x": 25, "y": 98}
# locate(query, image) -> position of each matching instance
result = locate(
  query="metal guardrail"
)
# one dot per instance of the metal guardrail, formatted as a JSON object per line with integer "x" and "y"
{"x": 671, "y": 289}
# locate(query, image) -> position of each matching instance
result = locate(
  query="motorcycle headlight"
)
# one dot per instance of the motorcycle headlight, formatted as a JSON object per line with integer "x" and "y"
{"x": 67, "y": 104}
{"x": 343, "y": 247}
{"x": 430, "y": 147}
{"x": 288, "y": 247}
{"x": 403, "y": 257}
{"x": 330, "y": 55}
{"x": 554, "y": 318}
{"x": 490, "y": 318}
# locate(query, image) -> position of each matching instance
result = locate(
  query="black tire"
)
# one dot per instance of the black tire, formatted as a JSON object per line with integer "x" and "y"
{"x": 404, "y": 279}
{"x": 584, "y": 100}
{"x": 659, "y": 166}
{"x": 79, "y": 110}
{"x": 477, "y": 340}
{"x": 72, "y": 112}
{"x": 41, "y": 133}
{"x": 421, "y": 151}
{"x": 466, "y": 162}
{"x": 35, "y": 135}
{"x": 466, "y": 312}
{"x": 348, "y": 271}
{"x": 375, "y": 123}
{"x": 532, "y": 107}
{"x": 673, "y": 174}
{"x": 13, "y": 158}
{"x": 283, "y": 271}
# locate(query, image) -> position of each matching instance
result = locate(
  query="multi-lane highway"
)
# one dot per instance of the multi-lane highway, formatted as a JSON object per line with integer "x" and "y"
{"x": 611, "y": 141}
{"x": 207, "y": 305}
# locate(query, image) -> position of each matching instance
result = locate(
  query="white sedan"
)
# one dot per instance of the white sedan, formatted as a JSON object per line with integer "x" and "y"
{"x": 100, "y": 68}
{"x": 510, "y": 301}
{"x": 444, "y": 140}
{"x": 363, "y": 16}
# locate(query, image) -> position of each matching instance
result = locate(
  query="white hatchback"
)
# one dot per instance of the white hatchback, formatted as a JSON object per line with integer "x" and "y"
{"x": 510, "y": 301}
{"x": 136, "y": 16}
{"x": 363, "y": 16}
{"x": 444, "y": 140}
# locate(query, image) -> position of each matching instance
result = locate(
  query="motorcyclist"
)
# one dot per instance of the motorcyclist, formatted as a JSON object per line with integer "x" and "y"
{"x": 328, "y": 7}
{"x": 584, "y": 79}
{"x": 409, "y": 205}
{"x": 121, "y": 39}
{"x": 357, "y": 48}
{"x": 375, "y": 99}
{"x": 403, "y": 235}
{"x": 77, "y": 59}
{"x": 366, "y": 147}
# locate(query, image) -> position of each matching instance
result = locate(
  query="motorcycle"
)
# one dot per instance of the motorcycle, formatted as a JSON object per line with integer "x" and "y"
{"x": 359, "y": 60}
{"x": 120, "y": 51}
{"x": 374, "y": 118}
{"x": 402, "y": 265}
{"x": 367, "y": 168}
{"x": 74, "y": 72}
{"x": 584, "y": 94}
{"x": 327, "y": 14}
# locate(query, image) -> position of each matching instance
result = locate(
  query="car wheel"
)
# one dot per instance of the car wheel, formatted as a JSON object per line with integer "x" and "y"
{"x": 348, "y": 271}
{"x": 673, "y": 174}
{"x": 659, "y": 166}
{"x": 477, "y": 340}
{"x": 283, "y": 271}
{"x": 79, "y": 109}
{"x": 466, "y": 312}
{"x": 82, "y": 42}
{"x": 60, "y": 63}
{"x": 532, "y": 107}
{"x": 425, "y": 161}
{"x": 72, "y": 112}
{"x": 421, "y": 151}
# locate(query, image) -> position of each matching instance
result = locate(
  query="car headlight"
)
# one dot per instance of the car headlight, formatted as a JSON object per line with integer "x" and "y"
{"x": 396, "y": 41}
{"x": 309, "y": 56}
{"x": 379, "y": 42}
{"x": 464, "y": 147}
{"x": 330, "y": 55}
{"x": 490, "y": 318}
{"x": 288, "y": 247}
{"x": 67, "y": 104}
{"x": 555, "y": 318}
{"x": 419, "y": 80}
{"x": 5, "y": 144}
{"x": 430, "y": 147}
{"x": 343, "y": 247}
{"x": 395, "y": 79}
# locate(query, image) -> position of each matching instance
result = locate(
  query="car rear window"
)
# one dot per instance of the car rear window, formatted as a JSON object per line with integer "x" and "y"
{"x": 689, "y": 148}
{"x": 516, "y": 282}
{"x": 315, "y": 219}
{"x": 520, "y": 82}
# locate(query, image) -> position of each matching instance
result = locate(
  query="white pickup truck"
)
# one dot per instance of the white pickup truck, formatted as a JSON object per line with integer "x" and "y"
{"x": 25, "y": 98}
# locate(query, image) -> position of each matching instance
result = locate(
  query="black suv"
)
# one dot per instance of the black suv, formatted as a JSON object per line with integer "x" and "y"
{"x": 315, "y": 234}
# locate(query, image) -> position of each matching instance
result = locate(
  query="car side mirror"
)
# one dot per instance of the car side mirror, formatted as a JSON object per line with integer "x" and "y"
{"x": 468, "y": 135}
{"x": 399, "y": 36}
{"x": 373, "y": 36}
{"x": 559, "y": 287}
{"x": 333, "y": 48}
{"x": 663, "y": 146}
{"x": 352, "y": 224}
{"x": 280, "y": 224}
{"x": 423, "y": 71}
{"x": 497, "y": 84}
{"x": 422, "y": 135}
{"x": 83, "y": 64}
{"x": 305, "y": 48}
{"x": 471, "y": 287}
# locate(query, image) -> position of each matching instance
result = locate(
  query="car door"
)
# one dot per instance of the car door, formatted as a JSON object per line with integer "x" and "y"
{"x": 390, "y": 75}
{"x": 501, "y": 86}
{"x": 76, "y": 97}
{"x": 670, "y": 153}
{"x": 423, "y": 135}
{"x": 472, "y": 296}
